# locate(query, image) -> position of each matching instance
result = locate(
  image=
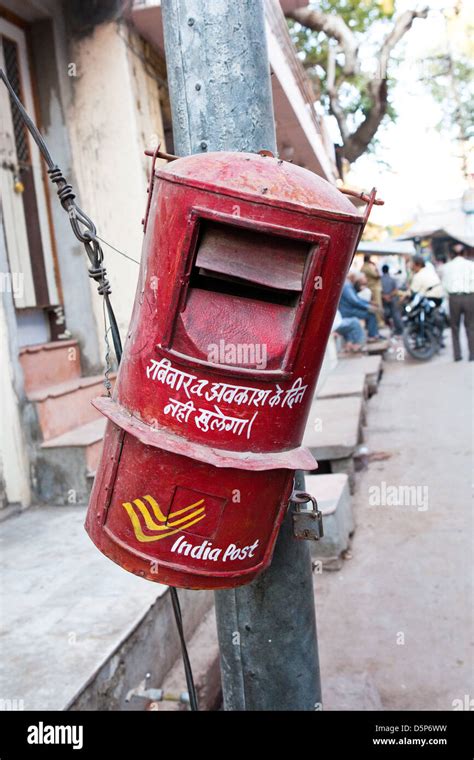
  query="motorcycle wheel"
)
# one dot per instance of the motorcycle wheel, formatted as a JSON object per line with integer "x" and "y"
{"x": 423, "y": 351}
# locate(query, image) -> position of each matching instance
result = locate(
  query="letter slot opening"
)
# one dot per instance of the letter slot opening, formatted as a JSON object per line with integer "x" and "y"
{"x": 245, "y": 289}
{"x": 249, "y": 264}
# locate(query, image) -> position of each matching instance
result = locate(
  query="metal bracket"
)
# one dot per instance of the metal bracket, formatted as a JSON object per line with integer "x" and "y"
{"x": 307, "y": 520}
{"x": 154, "y": 154}
{"x": 151, "y": 182}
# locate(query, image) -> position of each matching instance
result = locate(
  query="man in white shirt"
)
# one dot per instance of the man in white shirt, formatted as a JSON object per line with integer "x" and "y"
{"x": 458, "y": 281}
{"x": 425, "y": 280}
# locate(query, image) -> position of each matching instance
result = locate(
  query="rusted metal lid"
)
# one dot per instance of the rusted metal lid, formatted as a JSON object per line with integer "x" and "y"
{"x": 268, "y": 179}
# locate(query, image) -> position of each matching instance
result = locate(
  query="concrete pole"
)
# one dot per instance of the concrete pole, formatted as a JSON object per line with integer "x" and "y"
{"x": 220, "y": 91}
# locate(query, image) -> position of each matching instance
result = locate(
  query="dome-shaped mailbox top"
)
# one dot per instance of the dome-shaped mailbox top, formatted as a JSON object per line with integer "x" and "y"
{"x": 269, "y": 179}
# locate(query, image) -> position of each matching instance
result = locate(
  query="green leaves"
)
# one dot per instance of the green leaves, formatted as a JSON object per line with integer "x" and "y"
{"x": 346, "y": 88}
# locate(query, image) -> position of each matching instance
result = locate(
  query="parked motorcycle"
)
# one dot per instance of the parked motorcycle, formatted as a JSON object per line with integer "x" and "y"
{"x": 424, "y": 324}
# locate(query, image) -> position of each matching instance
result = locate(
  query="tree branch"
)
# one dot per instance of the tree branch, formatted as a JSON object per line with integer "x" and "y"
{"x": 402, "y": 25}
{"x": 334, "y": 27}
{"x": 332, "y": 90}
{"x": 355, "y": 144}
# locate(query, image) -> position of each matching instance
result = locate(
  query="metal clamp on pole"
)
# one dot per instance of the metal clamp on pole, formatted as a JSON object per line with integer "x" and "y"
{"x": 307, "y": 518}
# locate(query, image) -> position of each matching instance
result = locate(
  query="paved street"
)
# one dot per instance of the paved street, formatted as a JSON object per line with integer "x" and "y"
{"x": 395, "y": 623}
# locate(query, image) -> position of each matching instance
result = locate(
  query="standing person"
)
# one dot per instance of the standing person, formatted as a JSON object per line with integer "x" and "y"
{"x": 458, "y": 282}
{"x": 390, "y": 300}
{"x": 374, "y": 284}
{"x": 400, "y": 279}
{"x": 425, "y": 280}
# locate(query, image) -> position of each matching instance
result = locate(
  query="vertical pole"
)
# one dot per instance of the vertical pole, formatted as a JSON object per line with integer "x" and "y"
{"x": 220, "y": 91}
{"x": 218, "y": 75}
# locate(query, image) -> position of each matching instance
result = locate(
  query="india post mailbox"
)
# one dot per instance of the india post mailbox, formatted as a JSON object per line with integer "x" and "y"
{"x": 243, "y": 263}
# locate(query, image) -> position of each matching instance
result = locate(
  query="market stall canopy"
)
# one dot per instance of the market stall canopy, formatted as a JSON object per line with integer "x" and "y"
{"x": 387, "y": 248}
{"x": 453, "y": 223}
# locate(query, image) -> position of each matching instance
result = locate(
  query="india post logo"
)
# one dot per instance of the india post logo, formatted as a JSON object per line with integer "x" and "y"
{"x": 146, "y": 513}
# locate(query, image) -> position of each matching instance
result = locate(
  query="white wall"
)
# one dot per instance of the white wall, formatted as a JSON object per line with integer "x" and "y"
{"x": 114, "y": 116}
{"x": 14, "y": 467}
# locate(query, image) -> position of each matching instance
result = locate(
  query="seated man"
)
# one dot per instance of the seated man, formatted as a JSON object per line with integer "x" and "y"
{"x": 361, "y": 287}
{"x": 350, "y": 305}
{"x": 350, "y": 329}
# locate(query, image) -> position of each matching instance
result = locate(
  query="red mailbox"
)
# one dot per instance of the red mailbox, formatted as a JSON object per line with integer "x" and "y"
{"x": 244, "y": 259}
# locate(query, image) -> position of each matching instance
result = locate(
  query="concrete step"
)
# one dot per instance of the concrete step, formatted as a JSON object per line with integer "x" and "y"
{"x": 88, "y": 436}
{"x": 78, "y": 631}
{"x": 48, "y": 363}
{"x": 344, "y": 384}
{"x": 334, "y": 431}
{"x": 378, "y": 348}
{"x": 66, "y": 464}
{"x": 332, "y": 493}
{"x": 370, "y": 366}
{"x": 65, "y": 406}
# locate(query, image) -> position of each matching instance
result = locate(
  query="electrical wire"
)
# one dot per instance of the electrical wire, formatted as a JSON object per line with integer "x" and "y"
{"x": 117, "y": 250}
{"x": 193, "y": 702}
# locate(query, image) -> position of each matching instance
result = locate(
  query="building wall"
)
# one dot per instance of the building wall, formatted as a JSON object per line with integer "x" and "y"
{"x": 113, "y": 117}
{"x": 98, "y": 102}
{"x": 50, "y": 58}
{"x": 14, "y": 464}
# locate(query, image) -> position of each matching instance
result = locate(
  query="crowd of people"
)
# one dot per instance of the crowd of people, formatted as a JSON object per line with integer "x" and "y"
{"x": 372, "y": 299}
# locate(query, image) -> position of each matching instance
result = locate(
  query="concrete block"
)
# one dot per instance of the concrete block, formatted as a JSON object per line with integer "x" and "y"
{"x": 65, "y": 465}
{"x": 345, "y": 466}
{"x": 48, "y": 363}
{"x": 344, "y": 384}
{"x": 334, "y": 427}
{"x": 334, "y": 500}
{"x": 61, "y": 476}
{"x": 371, "y": 366}
{"x": 378, "y": 348}
{"x": 67, "y": 405}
